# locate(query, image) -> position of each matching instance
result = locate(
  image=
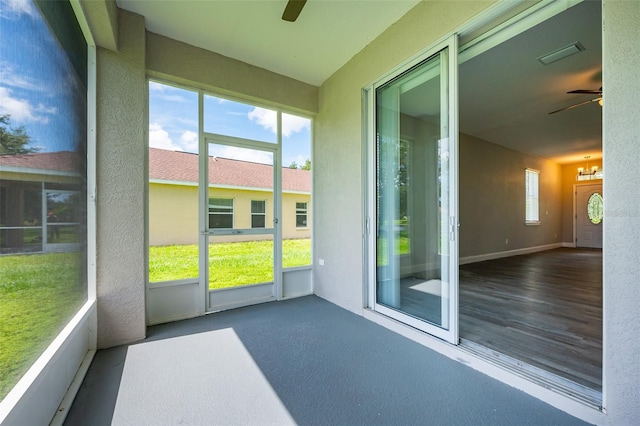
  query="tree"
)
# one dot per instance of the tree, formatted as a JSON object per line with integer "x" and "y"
{"x": 307, "y": 165}
{"x": 14, "y": 140}
{"x": 293, "y": 165}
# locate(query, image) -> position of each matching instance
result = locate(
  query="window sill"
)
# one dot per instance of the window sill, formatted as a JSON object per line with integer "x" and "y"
{"x": 532, "y": 223}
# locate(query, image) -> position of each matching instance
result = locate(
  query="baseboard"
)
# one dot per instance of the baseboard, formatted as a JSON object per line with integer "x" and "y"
{"x": 509, "y": 253}
{"x": 67, "y": 400}
{"x": 569, "y": 245}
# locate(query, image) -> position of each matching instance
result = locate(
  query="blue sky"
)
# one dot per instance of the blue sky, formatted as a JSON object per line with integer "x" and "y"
{"x": 173, "y": 125}
{"x": 38, "y": 86}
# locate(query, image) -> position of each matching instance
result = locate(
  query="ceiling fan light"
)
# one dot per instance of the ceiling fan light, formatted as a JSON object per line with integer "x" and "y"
{"x": 561, "y": 53}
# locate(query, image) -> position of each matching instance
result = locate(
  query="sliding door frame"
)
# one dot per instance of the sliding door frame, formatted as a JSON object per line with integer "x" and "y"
{"x": 450, "y": 94}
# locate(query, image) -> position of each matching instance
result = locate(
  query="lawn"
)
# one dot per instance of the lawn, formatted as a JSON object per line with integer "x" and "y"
{"x": 39, "y": 293}
{"x": 230, "y": 264}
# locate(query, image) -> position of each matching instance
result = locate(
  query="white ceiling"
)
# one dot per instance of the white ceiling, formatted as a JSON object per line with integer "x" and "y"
{"x": 505, "y": 93}
{"x": 326, "y": 35}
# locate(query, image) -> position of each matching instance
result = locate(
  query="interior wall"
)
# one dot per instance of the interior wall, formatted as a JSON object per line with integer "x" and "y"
{"x": 569, "y": 172}
{"x": 122, "y": 185}
{"x": 492, "y": 199}
{"x": 338, "y": 136}
{"x": 621, "y": 127}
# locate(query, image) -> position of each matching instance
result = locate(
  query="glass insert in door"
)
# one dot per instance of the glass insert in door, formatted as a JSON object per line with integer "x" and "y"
{"x": 412, "y": 195}
{"x": 240, "y": 216}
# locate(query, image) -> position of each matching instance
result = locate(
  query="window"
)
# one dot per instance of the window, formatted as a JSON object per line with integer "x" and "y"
{"x": 258, "y": 214}
{"x": 220, "y": 213}
{"x": 531, "y": 200}
{"x": 594, "y": 208}
{"x": 43, "y": 179}
{"x": 301, "y": 215}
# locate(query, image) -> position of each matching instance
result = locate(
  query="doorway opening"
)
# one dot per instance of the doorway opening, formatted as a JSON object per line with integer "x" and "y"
{"x": 530, "y": 291}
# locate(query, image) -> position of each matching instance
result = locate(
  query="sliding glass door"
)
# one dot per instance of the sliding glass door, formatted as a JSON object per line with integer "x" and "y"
{"x": 414, "y": 249}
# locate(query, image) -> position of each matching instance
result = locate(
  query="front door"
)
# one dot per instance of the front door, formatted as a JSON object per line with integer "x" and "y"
{"x": 589, "y": 216}
{"x": 241, "y": 223}
{"x": 415, "y": 202}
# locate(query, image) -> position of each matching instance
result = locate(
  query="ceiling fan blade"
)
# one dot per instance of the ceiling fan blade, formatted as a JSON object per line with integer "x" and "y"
{"x": 293, "y": 9}
{"x": 575, "y": 105}
{"x": 592, "y": 92}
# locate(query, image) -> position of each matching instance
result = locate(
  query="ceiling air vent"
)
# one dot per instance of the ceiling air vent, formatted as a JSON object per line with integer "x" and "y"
{"x": 561, "y": 53}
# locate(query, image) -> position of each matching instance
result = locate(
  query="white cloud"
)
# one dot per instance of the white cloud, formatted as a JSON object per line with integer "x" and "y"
{"x": 159, "y": 138}
{"x": 264, "y": 117}
{"x": 268, "y": 119}
{"x": 293, "y": 124}
{"x": 189, "y": 141}
{"x": 21, "y": 110}
{"x": 17, "y": 7}
{"x": 14, "y": 79}
{"x": 242, "y": 154}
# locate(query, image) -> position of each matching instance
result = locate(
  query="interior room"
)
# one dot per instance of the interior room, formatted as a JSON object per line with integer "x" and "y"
{"x": 509, "y": 121}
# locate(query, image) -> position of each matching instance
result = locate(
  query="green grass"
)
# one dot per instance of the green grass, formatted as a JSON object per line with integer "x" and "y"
{"x": 38, "y": 295}
{"x": 230, "y": 264}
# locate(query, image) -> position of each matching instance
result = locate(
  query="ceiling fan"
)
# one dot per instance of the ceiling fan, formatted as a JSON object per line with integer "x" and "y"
{"x": 293, "y": 9}
{"x": 583, "y": 91}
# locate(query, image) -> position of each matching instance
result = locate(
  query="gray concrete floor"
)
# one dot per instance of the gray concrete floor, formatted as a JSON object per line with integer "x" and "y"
{"x": 303, "y": 361}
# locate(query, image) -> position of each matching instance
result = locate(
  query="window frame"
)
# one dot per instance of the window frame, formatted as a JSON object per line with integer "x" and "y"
{"x": 230, "y": 212}
{"x": 302, "y": 212}
{"x": 262, "y": 214}
{"x": 532, "y": 197}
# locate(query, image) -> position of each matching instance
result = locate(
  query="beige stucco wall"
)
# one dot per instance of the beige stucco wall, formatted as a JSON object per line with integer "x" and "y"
{"x": 122, "y": 186}
{"x": 569, "y": 172}
{"x": 621, "y": 126}
{"x": 492, "y": 199}
{"x": 199, "y": 68}
{"x": 173, "y": 213}
{"x": 337, "y": 151}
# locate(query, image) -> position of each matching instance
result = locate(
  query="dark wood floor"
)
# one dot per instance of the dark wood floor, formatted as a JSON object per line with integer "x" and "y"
{"x": 544, "y": 309}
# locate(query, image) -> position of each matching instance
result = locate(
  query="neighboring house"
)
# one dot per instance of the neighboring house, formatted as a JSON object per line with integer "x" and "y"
{"x": 35, "y": 209}
{"x": 240, "y": 197}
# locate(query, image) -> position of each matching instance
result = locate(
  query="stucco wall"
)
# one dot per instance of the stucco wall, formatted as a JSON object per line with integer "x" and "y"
{"x": 621, "y": 141}
{"x": 196, "y": 67}
{"x": 337, "y": 151}
{"x": 121, "y": 186}
{"x": 492, "y": 199}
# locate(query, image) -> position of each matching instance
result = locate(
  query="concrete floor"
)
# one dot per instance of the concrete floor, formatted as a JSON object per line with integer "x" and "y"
{"x": 302, "y": 361}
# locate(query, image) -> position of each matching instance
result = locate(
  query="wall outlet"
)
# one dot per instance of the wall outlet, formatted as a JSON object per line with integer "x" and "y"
{"x": 506, "y": 241}
{"x": 321, "y": 262}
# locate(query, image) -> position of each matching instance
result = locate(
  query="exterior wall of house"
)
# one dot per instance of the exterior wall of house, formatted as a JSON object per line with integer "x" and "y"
{"x": 338, "y": 179}
{"x": 569, "y": 172}
{"x": 492, "y": 199}
{"x": 173, "y": 213}
{"x": 122, "y": 185}
{"x": 621, "y": 126}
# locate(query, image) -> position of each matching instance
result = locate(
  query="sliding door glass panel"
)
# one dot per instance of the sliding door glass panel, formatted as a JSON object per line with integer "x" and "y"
{"x": 296, "y": 191}
{"x": 240, "y": 216}
{"x": 412, "y": 195}
{"x": 239, "y": 120}
{"x": 173, "y": 183}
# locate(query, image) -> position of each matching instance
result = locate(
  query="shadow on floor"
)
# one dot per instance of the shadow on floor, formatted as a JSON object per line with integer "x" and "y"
{"x": 303, "y": 361}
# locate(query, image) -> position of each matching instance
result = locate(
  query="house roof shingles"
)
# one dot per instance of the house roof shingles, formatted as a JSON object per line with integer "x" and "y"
{"x": 61, "y": 161}
{"x": 180, "y": 167}
{"x": 183, "y": 167}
